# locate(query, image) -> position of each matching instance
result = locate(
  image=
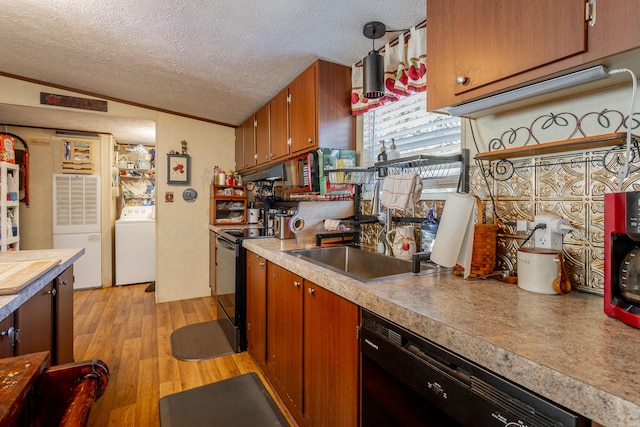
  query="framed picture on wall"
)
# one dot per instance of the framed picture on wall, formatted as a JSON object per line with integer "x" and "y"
{"x": 178, "y": 169}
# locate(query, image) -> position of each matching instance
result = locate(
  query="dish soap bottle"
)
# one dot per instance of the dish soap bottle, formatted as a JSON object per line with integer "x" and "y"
{"x": 393, "y": 153}
{"x": 428, "y": 231}
{"x": 382, "y": 157}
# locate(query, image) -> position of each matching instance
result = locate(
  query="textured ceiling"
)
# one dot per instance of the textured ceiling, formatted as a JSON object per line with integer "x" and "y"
{"x": 213, "y": 59}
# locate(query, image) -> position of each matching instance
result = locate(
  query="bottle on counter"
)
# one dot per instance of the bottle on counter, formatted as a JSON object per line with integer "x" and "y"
{"x": 393, "y": 153}
{"x": 428, "y": 231}
{"x": 222, "y": 178}
{"x": 215, "y": 178}
{"x": 382, "y": 157}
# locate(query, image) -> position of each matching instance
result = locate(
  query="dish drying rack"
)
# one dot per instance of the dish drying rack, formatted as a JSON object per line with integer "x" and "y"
{"x": 427, "y": 167}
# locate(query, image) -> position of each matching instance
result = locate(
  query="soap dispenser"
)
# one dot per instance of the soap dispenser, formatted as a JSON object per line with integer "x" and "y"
{"x": 393, "y": 153}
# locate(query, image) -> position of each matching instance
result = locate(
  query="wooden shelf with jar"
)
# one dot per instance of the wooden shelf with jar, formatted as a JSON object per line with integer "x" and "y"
{"x": 228, "y": 204}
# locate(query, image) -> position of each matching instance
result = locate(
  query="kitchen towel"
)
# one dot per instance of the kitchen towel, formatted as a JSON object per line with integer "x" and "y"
{"x": 454, "y": 244}
{"x": 401, "y": 191}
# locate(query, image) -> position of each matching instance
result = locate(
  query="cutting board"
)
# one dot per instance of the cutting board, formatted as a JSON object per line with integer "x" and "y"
{"x": 16, "y": 275}
{"x": 309, "y": 218}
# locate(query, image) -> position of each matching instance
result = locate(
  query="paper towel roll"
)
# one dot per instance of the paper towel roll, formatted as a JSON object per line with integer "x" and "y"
{"x": 454, "y": 242}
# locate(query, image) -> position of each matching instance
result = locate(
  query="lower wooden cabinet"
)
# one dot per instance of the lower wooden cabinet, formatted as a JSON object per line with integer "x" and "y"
{"x": 63, "y": 320}
{"x": 331, "y": 358}
{"x": 284, "y": 334}
{"x": 7, "y": 331}
{"x": 34, "y": 319}
{"x": 43, "y": 323}
{"x": 312, "y": 345}
{"x": 257, "y": 307}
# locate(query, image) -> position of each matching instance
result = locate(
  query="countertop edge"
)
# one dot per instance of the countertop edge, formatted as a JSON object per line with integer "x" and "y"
{"x": 579, "y": 396}
{"x": 10, "y": 303}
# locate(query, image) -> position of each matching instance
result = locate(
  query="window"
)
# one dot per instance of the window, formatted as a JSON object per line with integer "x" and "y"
{"x": 414, "y": 131}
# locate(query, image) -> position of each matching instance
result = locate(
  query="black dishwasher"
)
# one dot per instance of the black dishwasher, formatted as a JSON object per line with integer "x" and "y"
{"x": 410, "y": 381}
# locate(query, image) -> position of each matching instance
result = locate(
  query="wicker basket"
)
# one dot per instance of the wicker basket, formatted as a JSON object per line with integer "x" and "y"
{"x": 485, "y": 239}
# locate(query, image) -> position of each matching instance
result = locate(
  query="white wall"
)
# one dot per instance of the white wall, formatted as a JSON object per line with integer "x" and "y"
{"x": 183, "y": 233}
{"x": 182, "y": 228}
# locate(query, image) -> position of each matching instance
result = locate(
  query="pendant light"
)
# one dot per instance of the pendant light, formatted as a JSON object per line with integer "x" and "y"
{"x": 373, "y": 63}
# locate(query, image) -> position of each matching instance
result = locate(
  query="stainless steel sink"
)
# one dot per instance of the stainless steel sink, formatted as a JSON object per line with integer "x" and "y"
{"x": 358, "y": 263}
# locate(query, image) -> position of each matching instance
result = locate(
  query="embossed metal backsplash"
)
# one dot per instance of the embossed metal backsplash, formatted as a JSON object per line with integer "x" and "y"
{"x": 571, "y": 186}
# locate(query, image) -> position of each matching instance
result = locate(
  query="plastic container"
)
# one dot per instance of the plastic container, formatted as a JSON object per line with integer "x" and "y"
{"x": 428, "y": 231}
{"x": 12, "y": 188}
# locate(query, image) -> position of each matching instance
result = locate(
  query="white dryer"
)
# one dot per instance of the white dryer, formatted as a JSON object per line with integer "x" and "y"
{"x": 136, "y": 245}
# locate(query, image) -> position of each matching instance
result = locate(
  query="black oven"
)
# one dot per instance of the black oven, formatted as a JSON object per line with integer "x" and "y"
{"x": 410, "y": 381}
{"x": 231, "y": 282}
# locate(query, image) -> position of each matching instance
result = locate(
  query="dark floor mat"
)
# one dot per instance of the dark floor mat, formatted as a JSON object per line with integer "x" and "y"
{"x": 199, "y": 341}
{"x": 240, "y": 401}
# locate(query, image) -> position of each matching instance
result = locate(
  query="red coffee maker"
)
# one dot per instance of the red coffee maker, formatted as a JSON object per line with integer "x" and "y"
{"x": 622, "y": 256}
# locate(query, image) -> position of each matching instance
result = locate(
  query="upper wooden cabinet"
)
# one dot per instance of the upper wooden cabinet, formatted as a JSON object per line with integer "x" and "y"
{"x": 279, "y": 121}
{"x": 263, "y": 150}
{"x": 476, "y": 48}
{"x": 313, "y": 111}
{"x": 246, "y": 156}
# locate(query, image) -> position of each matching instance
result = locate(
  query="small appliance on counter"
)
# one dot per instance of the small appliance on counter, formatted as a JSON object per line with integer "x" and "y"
{"x": 541, "y": 268}
{"x": 621, "y": 253}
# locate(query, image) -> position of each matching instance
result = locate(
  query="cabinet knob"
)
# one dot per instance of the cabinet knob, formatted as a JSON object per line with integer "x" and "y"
{"x": 261, "y": 264}
{"x": 310, "y": 140}
{"x": 461, "y": 80}
{"x": 310, "y": 291}
{"x": 63, "y": 282}
{"x": 296, "y": 283}
{"x": 52, "y": 292}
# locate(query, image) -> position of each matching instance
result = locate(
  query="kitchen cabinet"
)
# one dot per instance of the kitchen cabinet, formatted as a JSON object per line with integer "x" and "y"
{"x": 213, "y": 261}
{"x": 313, "y": 348}
{"x": 331, "y": 355}
{"x": 7, "y": 333}
{"x": 63, "y": 320}
{"x": 313, "y": 111}
{"x": 228, "y": 204}
{"x": 239, "y": 153}
{"x": 257, "y": 307}
{"x": 44, "y": 322}
{"x": 263, "y": 144}
{"x": 284, "y": 335}
{"x": 279, "y": 125}
{"x": 477, "y": 48}
{"x": 9, "y": 207}
{"x": 34, "y": 319}
{"x": 320, "y": 109}
{"x": 249, "y": 143}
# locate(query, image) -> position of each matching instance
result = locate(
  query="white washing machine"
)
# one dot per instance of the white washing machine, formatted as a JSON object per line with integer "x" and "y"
{"x": 136, "y": 245}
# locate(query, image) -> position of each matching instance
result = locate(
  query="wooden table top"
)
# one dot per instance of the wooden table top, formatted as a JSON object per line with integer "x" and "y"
{"x": 17, "y": 376}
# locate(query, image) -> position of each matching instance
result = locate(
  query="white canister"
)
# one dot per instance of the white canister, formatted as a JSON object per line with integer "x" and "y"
{"x": 253, "y": 216}
{"x": 538, "y": 268}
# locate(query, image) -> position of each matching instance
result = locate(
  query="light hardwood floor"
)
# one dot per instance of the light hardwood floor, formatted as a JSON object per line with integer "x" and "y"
{"x": 124, "y": 327}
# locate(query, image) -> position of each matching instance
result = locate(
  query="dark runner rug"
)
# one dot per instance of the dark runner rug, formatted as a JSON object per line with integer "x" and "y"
{"x": 241, "y": 401}
{"x": 199, "y": 341}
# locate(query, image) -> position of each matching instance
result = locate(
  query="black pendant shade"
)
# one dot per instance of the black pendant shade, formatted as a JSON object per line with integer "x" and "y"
{"x": 373, "y": 63}
{"x": 373, "y": 75}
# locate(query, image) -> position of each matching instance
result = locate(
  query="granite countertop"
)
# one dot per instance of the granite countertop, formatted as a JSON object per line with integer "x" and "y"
{"x": 10, "y": 303}
{"x": 562, "y": 347}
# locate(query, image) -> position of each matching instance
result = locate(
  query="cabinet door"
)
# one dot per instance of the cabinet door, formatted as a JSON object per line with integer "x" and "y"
{"x": 263, "y": 148}
{"x": 63, "y": 284}
{"x": 240, "y": 148}
{"x": 499, "y": 38}
{"x": 331, "y": 354}
{"x": 486, "y": 41}
{"x": 212, "y": 261}
{"x": 34, "y": 318}
{"x": 284, "y": 334}
{"x": 249, "y": 143}
{"x": 302, "y": 111}
{"x": 6, "y": 336}
{"x": 279, "y": 125}
{"x": 257, "y": 307}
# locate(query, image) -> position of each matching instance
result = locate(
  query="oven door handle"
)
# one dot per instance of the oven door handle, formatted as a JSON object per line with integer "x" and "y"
{"x": 225, "y": 244}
